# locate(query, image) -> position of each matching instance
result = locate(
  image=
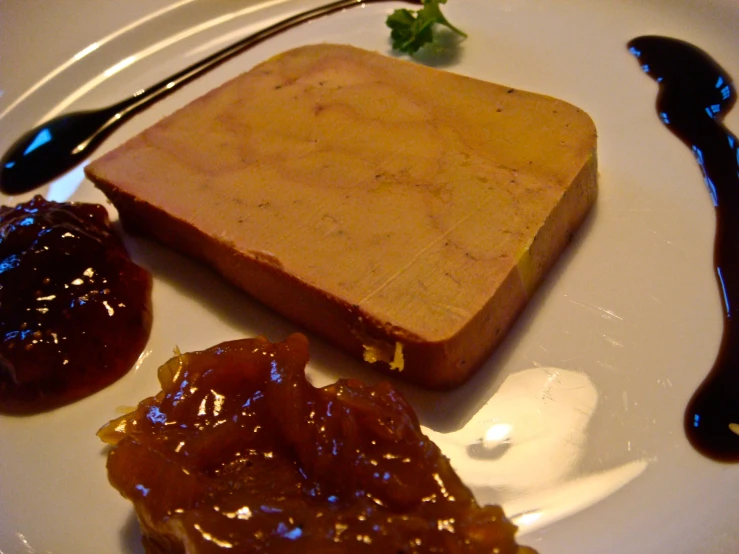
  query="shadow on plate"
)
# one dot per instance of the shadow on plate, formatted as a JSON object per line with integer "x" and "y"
{"x": 131, "y": 536}
{"x": 440, "y": 411}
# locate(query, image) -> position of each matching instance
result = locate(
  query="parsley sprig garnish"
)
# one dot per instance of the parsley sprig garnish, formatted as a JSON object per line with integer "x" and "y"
{"x": 411, "y": 29}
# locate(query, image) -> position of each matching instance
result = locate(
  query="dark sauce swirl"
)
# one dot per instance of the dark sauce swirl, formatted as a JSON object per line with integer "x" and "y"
{"x": 75, "y": 311}
{"x": 45, "y": 152}
{"x": 695, "y": 94}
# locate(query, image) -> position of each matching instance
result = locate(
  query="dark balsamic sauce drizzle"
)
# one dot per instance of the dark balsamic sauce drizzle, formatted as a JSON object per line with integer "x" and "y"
{"x": 695, "y": 94}
{"x": 58, "y": 145}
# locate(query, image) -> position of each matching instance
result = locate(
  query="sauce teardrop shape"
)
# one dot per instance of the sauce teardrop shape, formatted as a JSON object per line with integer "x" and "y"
{"x": 57, "y": 145}
{"x": 695, "y": 94}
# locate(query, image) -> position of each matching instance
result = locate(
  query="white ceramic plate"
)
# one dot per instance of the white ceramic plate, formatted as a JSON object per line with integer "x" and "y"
{"x": 575, "y": 424}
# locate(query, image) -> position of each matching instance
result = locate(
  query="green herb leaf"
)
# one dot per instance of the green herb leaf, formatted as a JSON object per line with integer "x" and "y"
{"x": 411, "y": 29}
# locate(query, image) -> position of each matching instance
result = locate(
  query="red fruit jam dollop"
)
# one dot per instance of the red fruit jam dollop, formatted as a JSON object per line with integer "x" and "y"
{"x": 75, "y": 311}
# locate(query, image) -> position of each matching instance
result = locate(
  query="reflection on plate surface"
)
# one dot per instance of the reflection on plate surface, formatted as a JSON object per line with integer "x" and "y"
{"x": 587, "y": 457}
{"x": 525, "y": 444}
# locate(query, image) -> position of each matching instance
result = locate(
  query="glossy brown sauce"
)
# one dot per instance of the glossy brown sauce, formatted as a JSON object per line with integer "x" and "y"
{"x": 75, "y": 312}
{"x": 695, "y": 93}
{"x": 239, "y": 453}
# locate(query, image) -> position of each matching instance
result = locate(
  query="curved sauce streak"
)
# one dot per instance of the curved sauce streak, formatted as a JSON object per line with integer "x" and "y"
{"x": 45, "y": 152}
{"x": 695, "y": 94}
{"x": 75, "y": 311}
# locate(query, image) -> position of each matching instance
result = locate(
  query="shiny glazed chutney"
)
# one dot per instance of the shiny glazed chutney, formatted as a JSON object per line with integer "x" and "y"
{"x": 75, "y": 311}
{"x": 240, "y": 453}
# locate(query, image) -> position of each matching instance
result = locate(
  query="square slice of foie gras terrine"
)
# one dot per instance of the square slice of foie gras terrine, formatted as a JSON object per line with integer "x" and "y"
{"x": 404, "y": 213}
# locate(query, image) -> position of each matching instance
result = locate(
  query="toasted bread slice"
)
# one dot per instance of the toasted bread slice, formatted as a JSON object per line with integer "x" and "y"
{"x": 405, "y": 214}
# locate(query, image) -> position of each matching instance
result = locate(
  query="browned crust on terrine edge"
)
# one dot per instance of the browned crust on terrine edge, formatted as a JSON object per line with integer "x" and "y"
{"x": 440, "y": 364}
